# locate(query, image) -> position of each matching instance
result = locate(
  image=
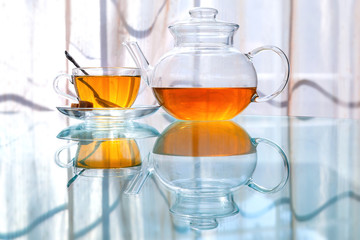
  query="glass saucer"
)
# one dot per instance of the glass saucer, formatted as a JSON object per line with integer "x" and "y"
{"x": 86, "y": 132}
{"x": 110, "y": 174}
{"x": 108, "y": 114}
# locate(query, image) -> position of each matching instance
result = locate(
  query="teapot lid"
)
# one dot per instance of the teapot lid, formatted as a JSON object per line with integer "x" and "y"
{"x": 203, "y": 20}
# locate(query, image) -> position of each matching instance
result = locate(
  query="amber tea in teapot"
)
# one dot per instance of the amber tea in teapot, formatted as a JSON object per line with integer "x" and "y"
{"x": 204, "y": 103}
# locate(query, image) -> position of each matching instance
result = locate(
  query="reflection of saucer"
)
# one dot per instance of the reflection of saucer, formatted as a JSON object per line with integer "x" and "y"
{"x": 82, "y": 132}
{"x": 103, "y": 173}
{"x": 110, "y": 114}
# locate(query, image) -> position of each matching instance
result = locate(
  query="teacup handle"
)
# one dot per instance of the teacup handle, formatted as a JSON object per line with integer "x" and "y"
{"x": 57, "y": 89}
{"x": 285, "y": 63}
{"x": 286, "y": 170}
{"x": 57, "y": 156}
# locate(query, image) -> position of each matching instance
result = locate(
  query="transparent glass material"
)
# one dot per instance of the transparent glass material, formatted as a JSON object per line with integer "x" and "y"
{"x": 120, "y": 157}
{"x": 99, "y": 116}
{"x": 84, "y": 132}
{"x": 209, "y": 157}
{"x": 105, "y": 94}
{"x": 204, "y": 73}
{"x": 117, "y": 151}
{"x": 203, "y": 163}
{"x": 109, "y": 152}
{"x": 101, "y": 86}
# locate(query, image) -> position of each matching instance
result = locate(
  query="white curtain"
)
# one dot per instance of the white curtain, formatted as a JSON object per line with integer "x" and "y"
{"x": 321, "y": 39}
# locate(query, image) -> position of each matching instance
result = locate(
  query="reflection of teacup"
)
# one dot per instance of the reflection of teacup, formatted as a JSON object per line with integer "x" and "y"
{"x": 103, "y": 87}
{"x": 121, "y": 153}
{"x": 203, "y": 163}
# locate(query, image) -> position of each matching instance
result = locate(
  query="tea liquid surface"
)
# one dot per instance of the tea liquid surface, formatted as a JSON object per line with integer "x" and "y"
{"x": 119, "y": 90}
{"x": 204, "y": 103}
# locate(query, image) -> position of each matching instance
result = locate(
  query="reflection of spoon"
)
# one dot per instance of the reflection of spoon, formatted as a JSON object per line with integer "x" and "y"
{"x": 100, "y": 101}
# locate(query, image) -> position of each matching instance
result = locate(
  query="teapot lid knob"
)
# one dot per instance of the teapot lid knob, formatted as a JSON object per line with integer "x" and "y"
{"x": 202, "y": 12}
{"x": 200, "y": 26}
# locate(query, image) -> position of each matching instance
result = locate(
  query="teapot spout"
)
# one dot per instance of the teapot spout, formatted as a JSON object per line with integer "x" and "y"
{"x": 139, "y": 58}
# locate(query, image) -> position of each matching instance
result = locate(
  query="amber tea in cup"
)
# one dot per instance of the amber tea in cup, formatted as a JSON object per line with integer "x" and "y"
{"x": 103, "y": 87}
{"x": 119, "y": 91}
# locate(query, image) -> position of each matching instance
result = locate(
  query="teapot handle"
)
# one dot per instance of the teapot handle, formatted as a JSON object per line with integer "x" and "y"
{"x": 286, "y": 170}
{"x": 285, "y": 63}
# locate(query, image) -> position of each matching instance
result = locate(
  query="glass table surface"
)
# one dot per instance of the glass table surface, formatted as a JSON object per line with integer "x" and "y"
{"x": 255, "y": 177}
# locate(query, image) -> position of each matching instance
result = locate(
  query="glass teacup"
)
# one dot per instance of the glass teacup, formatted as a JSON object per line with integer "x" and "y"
{"x": 103, "y": 87}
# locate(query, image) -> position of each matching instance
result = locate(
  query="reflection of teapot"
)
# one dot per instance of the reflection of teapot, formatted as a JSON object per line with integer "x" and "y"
{"x": 204, "y": 162}
{"x": 204, "y": 77}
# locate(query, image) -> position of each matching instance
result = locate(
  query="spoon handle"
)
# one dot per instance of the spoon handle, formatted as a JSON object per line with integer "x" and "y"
{"x": 71, "y": 59}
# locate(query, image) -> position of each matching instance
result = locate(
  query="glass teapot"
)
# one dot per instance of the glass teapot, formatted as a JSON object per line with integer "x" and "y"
{"x": 204, "y": 77}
